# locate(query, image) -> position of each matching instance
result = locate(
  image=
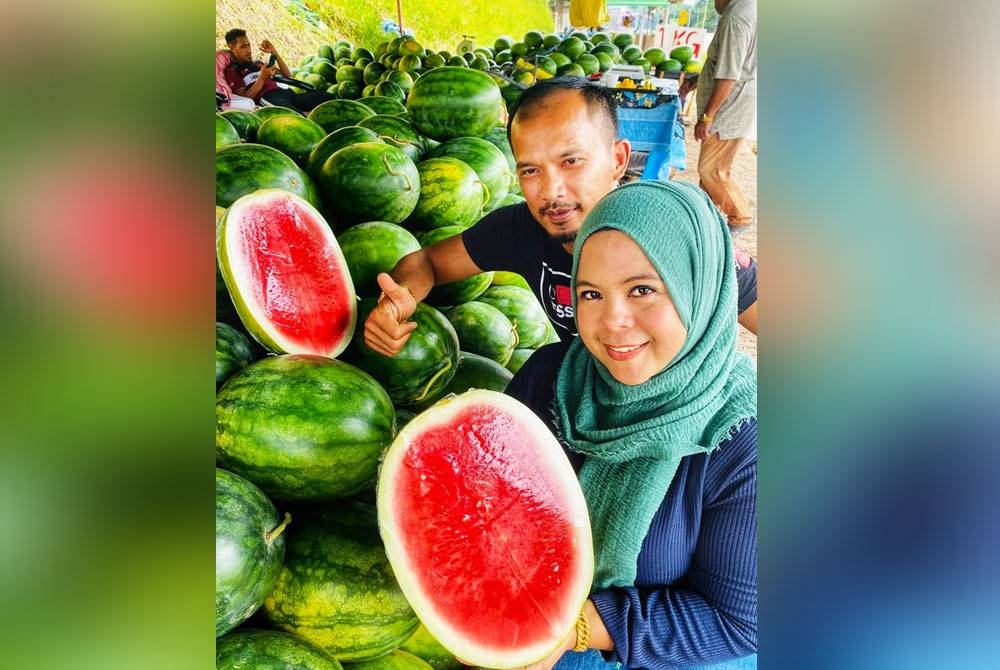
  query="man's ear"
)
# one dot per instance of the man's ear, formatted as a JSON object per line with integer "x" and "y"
{"x": 622, "y": 151}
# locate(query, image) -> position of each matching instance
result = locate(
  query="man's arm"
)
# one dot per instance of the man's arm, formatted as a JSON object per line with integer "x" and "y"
{"x": 267, "y": 47}
{"x": 388, "y": 327}
{"x": 748, "y": 318}
{"x": 723, "y": 87}
{"x": 255, "y": 88}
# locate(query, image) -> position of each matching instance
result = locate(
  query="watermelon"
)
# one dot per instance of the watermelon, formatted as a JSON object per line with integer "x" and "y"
{"x": 245, "y": 123}
{"x": 507, "y": 539}
{"x": 449, "y": 102}
{"x": 270, "y": 650}
{"x": 333, "y": 143}
{"x": 451, "y": 194}
{"x": 483, "y": 329}
{"x": 374, "y": 247}
{"x": 334, "y": 114}
{"x": 518, "y": 358}
{"x": 249, "y": 549}
{"x": 504, "y": 278}
{"x": 423, "y": 645}
{"x": 384, "y": 105}
{"x": 265, "y": 113}
{"x": 225, "y": 132}
{"x": 486, "y": 159}
{"x": 244, "y": 168}
{"x": 693, "y": 66}
{"x": 474, "y": 372}
{"x": 337, "y": 589}
{"x": 456, "y": 292}
{"x": 523, "y": 310}
{"x": 286, "y": 274}
{"x": 498, "y": 138}
{"x": 233, "y": 352}
{"x": 425, "y": 365}
{"x": 389, "y": 89}
{"x": 394, "y": 660}
{"x": 396, "y": 132}
{"x": 683, "y": 53}
{"x": 370, "y": 181}
{"x": 670, "y": 65}
{"x": 294, "y": 136}
{"x": 303, "y": 427}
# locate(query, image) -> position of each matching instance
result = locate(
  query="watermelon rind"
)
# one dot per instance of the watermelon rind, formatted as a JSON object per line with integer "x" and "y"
{"x": 239, "y": 280}
{"x": 396, "y": 659}
{"x": 540, "y": 469}
{"x": 250, "y": 648}
{"x": 423, "y": 645}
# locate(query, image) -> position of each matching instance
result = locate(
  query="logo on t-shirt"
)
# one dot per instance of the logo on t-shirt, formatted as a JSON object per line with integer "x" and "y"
{"x": 558, "y": 301}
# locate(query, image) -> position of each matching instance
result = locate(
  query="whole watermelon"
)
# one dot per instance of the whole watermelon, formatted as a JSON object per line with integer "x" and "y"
{"x": 423, "y": 645}
{"x": 333, "y": 143}
{"x": 245, "y": 123}
{"x": 249, "y": 549}
{"x": 425, "y": 365}
{"x": 303, "y": 427}
{"x": 244, "y": 168}
{"x": 450, "y": 102}
{"x": 486, "y": 159}
{"x": 252, "y": 649}
{"x": 522, "y": 308}
{"x": 233, "y": 352}
{"x": 394, "y": 660}
{"x": 336, "y": 589}
{"x": 397, "y": 132}
{"x": 451, "y": 194}
{"x": 334, "y": 114}
{"x": 456, "y": 292}
{"x": 519, "y": 358}
{"x": 294, "y": 136}
{"x": 225, "y": 132}
{"x": 483, "y": 329}
{"x": 374, "y": 247}
{"x": 370, "y": 181}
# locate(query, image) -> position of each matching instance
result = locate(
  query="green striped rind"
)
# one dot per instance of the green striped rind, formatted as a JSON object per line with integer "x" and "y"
{"x": 371, "y": 248}
{"x": 425, "y": 365}
{"x": 397, "y": 132}
{"x": 244, "y": 168}
{"x": 504, "y": 278}
{"x": 252, "y": 649}
{"x": 246, "y": 560}
{"x": 394, "y": 660}
{"x": 254, "y": 317}
{"x": 486, "y": 159}
{"x": 334, "y": 114}
{"x": 294, "y": 136}
{"x": 333, "y": 143}
{"x": 337, "y": 589}
{"x": 518, "y": 358}
{"x": 450, "y": 102}
{"x": 303, "y": 427}
{"x": 370, "y": 181}
{"x": 232, "y": 352}
{"x": 381, "y": 104}
{"x": 225, "y": 132}
{"x": 483, "y": 329}
{"x": 245, "y": 123}
{"x": 474, "y": 372}
{"x": 498, "y": 138}
{"x": 456, "y": 292}
{"x": 275, "y": 110}
{"x": 522, "y": 308}
{"x": 224, "y": 309}
{"x": 423, "y": 645}
{"x": 451, "y": 194}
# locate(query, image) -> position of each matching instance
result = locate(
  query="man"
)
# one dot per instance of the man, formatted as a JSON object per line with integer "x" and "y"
{"x": 727, "y": 100}
{"x": 253, "y": 79}
{"x": 563, "y": 134}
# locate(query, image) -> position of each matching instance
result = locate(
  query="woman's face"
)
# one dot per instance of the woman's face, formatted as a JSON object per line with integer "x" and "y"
{"x": 624, "y": 312}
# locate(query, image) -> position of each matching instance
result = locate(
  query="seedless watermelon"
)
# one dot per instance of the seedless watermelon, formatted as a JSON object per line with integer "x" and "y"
{"x": 286, "y": 274}
{"x": 486, "y": 529}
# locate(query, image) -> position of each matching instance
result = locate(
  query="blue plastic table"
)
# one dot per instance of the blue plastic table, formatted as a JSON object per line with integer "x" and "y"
{"x": 655, "y": 130}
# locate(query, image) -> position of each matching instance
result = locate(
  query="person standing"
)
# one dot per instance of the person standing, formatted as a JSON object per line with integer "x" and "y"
{"x": 727, "y": 100}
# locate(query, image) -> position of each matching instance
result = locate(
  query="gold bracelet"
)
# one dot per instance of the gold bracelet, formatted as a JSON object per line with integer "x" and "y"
{"x": 705, "y": 118}
{"x": 582, "y": 633}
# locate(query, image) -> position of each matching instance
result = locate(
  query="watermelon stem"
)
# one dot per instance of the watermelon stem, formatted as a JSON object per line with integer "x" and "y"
{"x": 388, "y": 168}
{"x": 486, "y": 190}
{"x": 427, "y": 387}
{"x": 272, "y": 535}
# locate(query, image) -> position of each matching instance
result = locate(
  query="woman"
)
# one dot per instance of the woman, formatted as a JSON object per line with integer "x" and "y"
{"x": 658, "y": 414}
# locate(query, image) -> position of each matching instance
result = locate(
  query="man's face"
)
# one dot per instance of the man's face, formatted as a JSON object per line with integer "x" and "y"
{"x": 566, "y": 160}
{"x": 241, "y": 49}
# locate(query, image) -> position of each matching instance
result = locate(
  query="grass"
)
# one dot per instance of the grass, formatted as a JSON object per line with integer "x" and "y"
{"x": 436, "y": 25}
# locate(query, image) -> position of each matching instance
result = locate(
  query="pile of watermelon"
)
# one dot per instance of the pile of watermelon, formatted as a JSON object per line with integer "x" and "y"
{"x": 309, "y": 209}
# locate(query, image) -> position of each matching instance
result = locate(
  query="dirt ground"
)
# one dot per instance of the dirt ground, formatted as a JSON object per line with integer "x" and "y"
{"x": 745, "y": 174}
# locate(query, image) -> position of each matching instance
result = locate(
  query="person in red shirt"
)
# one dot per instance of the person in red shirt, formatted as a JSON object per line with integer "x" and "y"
{"x": 254, "y": 79}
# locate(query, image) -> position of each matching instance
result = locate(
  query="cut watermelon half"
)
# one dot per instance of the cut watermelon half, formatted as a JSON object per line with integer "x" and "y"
{"x": 287, "y": 275}
{"x": 486, "y": 529}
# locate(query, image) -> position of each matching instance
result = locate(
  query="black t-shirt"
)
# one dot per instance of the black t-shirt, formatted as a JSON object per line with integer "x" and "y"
{"x": 511, "y": 239}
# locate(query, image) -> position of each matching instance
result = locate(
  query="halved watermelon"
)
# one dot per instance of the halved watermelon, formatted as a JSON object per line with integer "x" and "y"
{"x": 484, "y": 521}
{"x": 287, "y": 275}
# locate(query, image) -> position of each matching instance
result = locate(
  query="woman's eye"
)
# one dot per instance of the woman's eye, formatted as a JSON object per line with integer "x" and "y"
{"x": 643, "y": 290}
{"x": 589, "y": 295}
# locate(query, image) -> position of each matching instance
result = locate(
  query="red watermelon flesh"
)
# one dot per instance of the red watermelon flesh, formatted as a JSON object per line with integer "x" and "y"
{"x": 287, "y": 275}
{"x": 486, "y": 529}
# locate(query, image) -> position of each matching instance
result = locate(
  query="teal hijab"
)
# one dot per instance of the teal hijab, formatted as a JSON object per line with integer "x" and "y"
{"x": 634, "y": 437}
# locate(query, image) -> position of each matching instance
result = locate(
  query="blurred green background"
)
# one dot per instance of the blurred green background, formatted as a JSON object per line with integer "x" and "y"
{"x": 877, "y": 356}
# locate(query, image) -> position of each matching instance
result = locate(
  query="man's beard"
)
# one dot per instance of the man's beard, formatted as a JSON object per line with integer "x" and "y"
{"x": 565, "y": 238}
